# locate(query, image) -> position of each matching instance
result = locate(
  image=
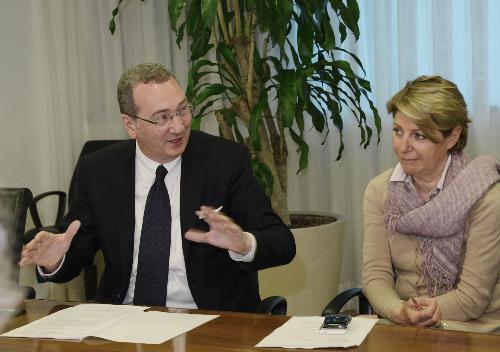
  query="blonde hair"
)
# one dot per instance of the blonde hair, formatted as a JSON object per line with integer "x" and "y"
{"x": 141, "y": 73}
{"x": 433, "y": 103}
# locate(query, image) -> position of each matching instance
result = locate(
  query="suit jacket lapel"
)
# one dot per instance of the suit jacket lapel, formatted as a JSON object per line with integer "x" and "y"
{"x": 192, "y": 180}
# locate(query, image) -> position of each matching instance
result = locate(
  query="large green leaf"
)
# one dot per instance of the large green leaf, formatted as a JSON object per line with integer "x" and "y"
{"x": 180, "y": 34}
{"x": 352, "y": 6}
{"x": 228, "y": 55}
{"x": 327, "y": 41}
{"x": 343, "y": 32}
{"x": 299, "y": 117}
{"x": 287, "y": 96}
{"x": 305, "y": 36}
{"x": 175, "y": 8}
{"x": 264, "y": 175}
{"x": 346, "y": 67}
{"x": 200, "y": 45}
{"x": 210, "y": 90}
{"x": 303, "y": 150}
{"x": 204, "y": 107}
{"x": 208, "y": 12}
{"x": 349, "y": 16}
{"x": 263, "y": 15}
{"x": 230, "y": 117}
{"x": 317, "y": 116}
{"x": 114, "y": 13}
{"x": 255, "y": 121}
{"x": 194, "y": 76}
{"x": 280, "y": 12}
{"x": 193, "y": 23}
{"x": 358, "y": 61}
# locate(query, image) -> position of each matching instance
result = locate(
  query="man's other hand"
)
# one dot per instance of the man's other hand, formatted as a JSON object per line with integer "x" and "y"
{"x": 47, "y": 249}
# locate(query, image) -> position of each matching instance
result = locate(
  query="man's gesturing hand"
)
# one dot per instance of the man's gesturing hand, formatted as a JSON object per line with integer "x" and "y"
{"x": 48, "y": 249}
{"x": 224, "y": 232}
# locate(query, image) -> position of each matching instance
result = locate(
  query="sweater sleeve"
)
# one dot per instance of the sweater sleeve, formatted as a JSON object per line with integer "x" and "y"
{"x": 378, "y": 275}
{"x": 481, "y": 262}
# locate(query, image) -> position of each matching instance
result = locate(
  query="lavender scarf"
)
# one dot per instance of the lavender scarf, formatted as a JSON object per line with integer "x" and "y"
{"x": 440, "y": 222}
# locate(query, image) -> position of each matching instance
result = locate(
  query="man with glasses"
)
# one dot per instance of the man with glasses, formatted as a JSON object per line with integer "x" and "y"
{"x": 178, "y": 214}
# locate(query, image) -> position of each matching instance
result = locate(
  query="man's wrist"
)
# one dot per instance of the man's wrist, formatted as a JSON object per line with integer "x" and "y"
{"x": 49, "y": 271}
{"x": 250, "y": 254}
{"x": 247, "y": 244}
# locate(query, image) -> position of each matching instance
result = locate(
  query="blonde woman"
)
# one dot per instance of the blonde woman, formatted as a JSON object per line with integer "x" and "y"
{"x": 431, "y": 252}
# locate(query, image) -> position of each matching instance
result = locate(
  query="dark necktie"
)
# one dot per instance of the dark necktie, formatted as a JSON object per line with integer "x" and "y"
{"x": 154, "y": 249}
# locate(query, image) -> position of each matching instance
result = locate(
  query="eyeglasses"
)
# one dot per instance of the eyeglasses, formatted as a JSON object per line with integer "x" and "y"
{"x": 168, "y": 119}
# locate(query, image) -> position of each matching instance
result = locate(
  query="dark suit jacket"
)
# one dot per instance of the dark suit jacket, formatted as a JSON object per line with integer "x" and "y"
{"x": 215, "y": 172}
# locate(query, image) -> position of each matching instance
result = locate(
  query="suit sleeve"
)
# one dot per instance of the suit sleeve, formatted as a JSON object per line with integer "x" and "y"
{"x": 252, "y": 210}
{"x": 84, "y": 244}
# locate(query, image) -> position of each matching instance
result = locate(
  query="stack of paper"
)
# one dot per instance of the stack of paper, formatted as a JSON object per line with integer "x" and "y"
{"x": 303, "y": 332}
{"x": 121, "y": 323}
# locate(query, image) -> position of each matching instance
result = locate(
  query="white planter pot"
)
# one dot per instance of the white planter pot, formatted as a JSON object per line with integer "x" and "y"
{"x": 311, "y": 280}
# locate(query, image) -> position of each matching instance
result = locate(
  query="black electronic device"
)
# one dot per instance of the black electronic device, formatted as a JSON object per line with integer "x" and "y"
{"x": 335, "y": 324}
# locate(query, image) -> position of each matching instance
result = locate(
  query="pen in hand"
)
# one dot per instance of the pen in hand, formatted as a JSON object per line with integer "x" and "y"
{"x": 419, "y": 307}
{"x": 216, "y": 210}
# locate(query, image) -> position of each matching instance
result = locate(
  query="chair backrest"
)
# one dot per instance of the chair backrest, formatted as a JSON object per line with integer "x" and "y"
{"x": 14, "y": 203}
{"x": 89, "y": 147}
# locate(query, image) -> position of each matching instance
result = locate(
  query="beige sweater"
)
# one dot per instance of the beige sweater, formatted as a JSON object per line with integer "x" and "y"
{"x": 474, "y": 305}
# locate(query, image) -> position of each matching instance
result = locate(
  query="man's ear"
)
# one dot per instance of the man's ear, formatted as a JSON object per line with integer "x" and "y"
{"x": 129, "y": 124}
{"x": 454, "y": 137}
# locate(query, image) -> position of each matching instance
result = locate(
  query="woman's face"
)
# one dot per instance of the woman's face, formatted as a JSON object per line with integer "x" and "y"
{"x": 419, "y": 157}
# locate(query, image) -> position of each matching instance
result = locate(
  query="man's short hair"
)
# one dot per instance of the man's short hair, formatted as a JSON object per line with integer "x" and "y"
{"x": 141, "y": 73}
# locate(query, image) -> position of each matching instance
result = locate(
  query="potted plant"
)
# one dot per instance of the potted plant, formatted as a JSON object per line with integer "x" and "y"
{"x": 276, "y": 66}
{"x": 277, "y": 63}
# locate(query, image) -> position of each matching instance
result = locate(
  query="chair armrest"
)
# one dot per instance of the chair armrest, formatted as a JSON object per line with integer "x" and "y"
{"x": 61, "y": 206}
{"x": 342, "y": 298}
{"x": 29, "y": 292}
{"x": 273, "y": 305}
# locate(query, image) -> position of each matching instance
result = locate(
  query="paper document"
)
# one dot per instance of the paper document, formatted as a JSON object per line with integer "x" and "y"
{"x": 121, "y": 323}
{"x": 303, "y": 332}
{"x": 153, "y": 327}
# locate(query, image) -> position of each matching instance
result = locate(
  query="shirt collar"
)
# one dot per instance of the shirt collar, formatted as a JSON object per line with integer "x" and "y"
{"x": 152, "y": 165}
{"x": 398, "y": 175}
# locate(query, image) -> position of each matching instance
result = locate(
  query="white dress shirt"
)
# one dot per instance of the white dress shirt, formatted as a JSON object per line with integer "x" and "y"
{"x": 178, "y": 292}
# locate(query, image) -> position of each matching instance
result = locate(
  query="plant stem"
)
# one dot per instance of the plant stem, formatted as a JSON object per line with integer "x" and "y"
{"x": 249, "y": 87}
{"x": 222, "y": 21}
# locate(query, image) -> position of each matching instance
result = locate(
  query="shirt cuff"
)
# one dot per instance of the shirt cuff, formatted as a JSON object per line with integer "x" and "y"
{"x": 48, "y": 276}
{"x": 245, "y": 257}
